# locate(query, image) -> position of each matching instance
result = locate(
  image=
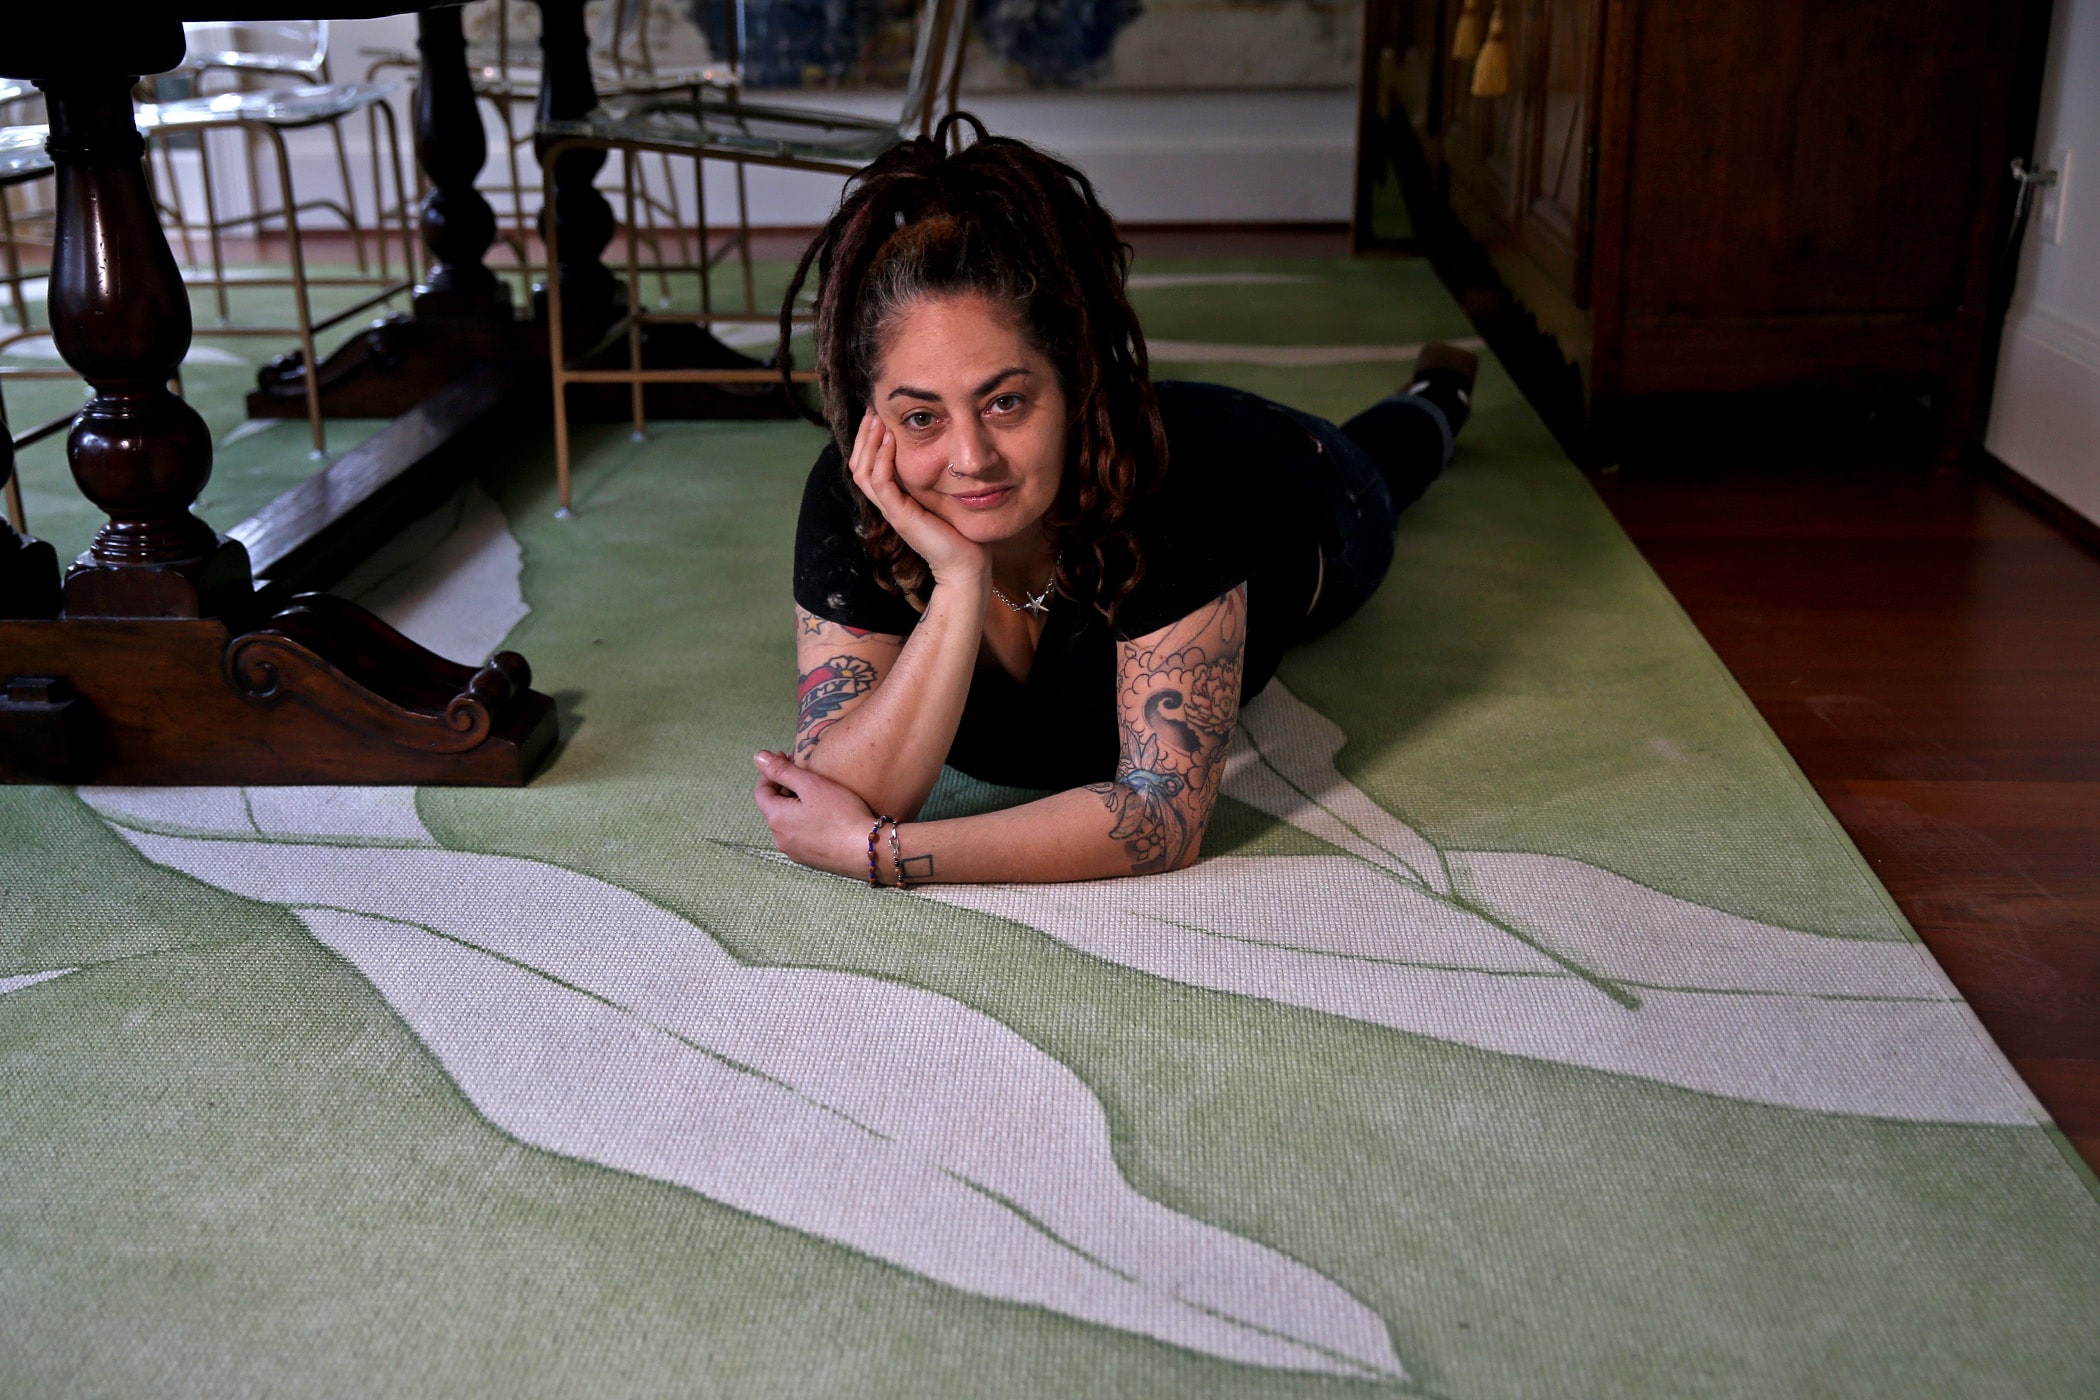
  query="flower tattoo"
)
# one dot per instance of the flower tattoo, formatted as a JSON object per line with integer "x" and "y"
{"x": 824, "y": 691}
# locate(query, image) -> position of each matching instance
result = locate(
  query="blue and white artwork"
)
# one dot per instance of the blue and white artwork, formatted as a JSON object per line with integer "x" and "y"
{"x": 1045, "y": 43}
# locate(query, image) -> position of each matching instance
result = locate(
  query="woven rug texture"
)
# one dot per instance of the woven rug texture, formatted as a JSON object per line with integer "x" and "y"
{"x": 1529, "y": 1028}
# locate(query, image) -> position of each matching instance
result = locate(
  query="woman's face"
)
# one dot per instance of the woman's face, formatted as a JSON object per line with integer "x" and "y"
{"x": 979, "y": 417}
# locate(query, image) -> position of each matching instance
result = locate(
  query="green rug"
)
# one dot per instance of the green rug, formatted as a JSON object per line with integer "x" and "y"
{"x": 1529, "y": 1029}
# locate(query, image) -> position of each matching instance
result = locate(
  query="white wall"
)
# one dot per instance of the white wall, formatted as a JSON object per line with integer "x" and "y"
{"x": 2045, "y": 417}
{"x": 1160, "y": 157}
{"x": 1157, "y": 157}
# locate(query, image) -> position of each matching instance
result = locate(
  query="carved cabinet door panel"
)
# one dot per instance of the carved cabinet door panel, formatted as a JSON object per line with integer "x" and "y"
{"x": 1792, "y": 159}
{"x": 1485, "y": 143}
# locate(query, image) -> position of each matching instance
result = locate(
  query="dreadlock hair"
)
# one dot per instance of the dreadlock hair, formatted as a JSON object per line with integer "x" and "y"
{"x": 1002, "y": 220}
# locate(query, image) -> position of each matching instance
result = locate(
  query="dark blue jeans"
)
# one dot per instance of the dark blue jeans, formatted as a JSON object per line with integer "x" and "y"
{"x": 1364, "y": 473}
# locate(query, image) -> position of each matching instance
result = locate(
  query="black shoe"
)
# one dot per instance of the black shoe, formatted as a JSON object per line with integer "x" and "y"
{"x": 1443, "y": 375}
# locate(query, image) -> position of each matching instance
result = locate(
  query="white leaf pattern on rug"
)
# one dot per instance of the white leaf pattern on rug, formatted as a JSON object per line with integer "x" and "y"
{"x": 582, "y": 1019}
{"x": 1525, "y": 954}
{"x": 24, "y": 980}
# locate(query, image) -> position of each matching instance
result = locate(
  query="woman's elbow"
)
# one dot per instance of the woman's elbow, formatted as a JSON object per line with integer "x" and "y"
{"x": 1191, "y": 851}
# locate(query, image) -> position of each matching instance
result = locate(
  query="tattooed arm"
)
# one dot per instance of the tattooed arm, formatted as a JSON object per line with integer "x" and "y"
{"x": 880, "y": 712}
{"x": 877, "y": 712}
{"x": 1179, "y": 700}
{"x": 836, "y": 667}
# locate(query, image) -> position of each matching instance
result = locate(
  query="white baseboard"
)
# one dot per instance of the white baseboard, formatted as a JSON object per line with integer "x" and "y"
{"x": 2045, "y": 414}
{"x": 1238, "y": 157}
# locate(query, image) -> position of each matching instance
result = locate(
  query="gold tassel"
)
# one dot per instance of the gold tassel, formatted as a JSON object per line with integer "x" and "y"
{"x": 1491, "y": 69}
{"x": 1465, "y": 40}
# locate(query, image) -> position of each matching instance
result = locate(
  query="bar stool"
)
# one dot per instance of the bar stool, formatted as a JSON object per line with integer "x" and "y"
{"x": 268, "y": 115}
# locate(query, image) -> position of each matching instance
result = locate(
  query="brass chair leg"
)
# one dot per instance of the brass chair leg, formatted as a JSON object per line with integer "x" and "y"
{"x": 743, "y": 237}
{"x": 357, "y": 229}
{"x": 181, "y": 215}
{"x": 676, "y": 211}
{"x": 650, "y": 203}
{"x": 378, "y": 186}
{"x": 557, "y": 355}
{"x": 14, "y": 260}
{"x": 629, "y": 161}
{"x": 15, "y": 514}
{"x": 211, "y": 229}
{"x": 401, "y": 201}
{"x": 297, "y": 255}
{"x": 707, "y": 254}
{"x": 517, "y": 196}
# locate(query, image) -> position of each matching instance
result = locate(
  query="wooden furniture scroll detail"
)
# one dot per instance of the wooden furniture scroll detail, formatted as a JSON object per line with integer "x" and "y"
{"x": 154, "y": 666}
{"x": 321, "y": 693}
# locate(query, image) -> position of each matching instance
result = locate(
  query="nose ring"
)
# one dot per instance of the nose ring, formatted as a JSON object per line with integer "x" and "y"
{"x": 952, "y": 471}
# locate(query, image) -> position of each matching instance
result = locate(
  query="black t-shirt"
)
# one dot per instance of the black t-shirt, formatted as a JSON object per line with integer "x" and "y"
{"x": 1230, "y": 510}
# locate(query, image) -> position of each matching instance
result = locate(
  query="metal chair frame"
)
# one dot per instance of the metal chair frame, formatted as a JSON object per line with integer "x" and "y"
{"x": 162, "y": 120}
{"x": 14, "y": 94}
{"x": 309, "y": 65}
{"x": 506, "y": 83}
{"x": 936, "y": 76}
{"x": 306, "y": 64}
{"x": 24, "y": 172}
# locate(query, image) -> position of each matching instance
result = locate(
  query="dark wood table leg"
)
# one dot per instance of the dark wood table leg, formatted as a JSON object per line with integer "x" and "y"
{"x": 592, "y": 299}
{"x": 590, "y": 295}
{"x": 120, "y": 316}
{"x": 451, "y": 147}
{"x": 462, "y": 311}
{"x": 156, "y": 662}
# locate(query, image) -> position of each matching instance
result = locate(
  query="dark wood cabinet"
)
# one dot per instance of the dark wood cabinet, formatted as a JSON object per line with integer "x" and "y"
{"x": 1705, "y": 196}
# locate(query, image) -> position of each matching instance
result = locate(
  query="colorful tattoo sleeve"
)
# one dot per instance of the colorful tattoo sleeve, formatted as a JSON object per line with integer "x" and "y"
{"x": 1180, "y": 702}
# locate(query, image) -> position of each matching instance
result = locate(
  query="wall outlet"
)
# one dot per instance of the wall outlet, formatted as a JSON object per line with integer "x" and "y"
{"x": 2049, "y": 213}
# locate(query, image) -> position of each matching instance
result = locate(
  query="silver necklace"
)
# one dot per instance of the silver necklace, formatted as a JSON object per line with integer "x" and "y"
{"x": 1035, "y": 604}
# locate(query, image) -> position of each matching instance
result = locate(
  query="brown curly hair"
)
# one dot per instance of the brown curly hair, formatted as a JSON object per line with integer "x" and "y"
{"x": 999, "y": 219}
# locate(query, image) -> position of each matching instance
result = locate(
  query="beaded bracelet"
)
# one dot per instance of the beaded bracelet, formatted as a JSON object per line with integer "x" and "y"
{"x": 874, "y": 832}
{"x": 897, "y": 855}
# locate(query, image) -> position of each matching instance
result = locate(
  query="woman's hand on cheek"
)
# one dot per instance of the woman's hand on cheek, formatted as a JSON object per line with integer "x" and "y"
{"x": 815, "y": 821}
{"x": 952, "y": 558}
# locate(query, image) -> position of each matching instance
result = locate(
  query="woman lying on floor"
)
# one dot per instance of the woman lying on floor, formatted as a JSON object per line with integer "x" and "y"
{"x": 1034, "y": 563}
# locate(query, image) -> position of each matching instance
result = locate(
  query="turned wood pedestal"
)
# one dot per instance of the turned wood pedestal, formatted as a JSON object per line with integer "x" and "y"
{"x": 153, "y": 659}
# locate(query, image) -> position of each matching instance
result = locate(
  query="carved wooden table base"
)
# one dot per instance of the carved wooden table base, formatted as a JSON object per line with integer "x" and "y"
{"x": 148, "y": 663}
